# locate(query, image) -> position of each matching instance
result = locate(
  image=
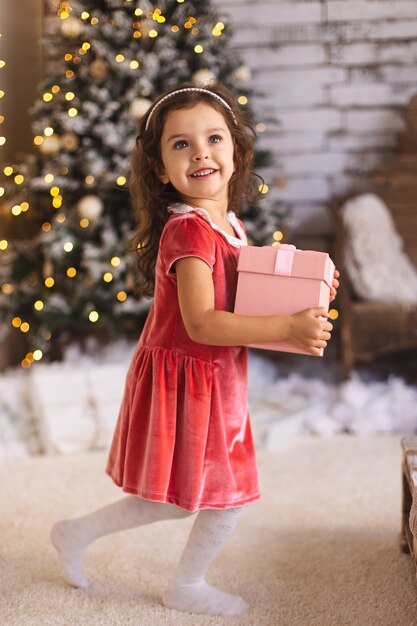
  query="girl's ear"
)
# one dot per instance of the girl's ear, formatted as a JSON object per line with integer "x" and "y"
{"x": 163, "y": 177}
{"x": 160, "y": 171}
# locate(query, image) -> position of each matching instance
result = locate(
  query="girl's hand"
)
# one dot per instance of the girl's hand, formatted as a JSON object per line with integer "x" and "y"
{"x": 310, "y": 330}
{"x": 335, "y": 285}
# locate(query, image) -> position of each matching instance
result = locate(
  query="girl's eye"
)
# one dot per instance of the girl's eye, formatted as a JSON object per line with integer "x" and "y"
{"x": 215, "y": 139}
{"x": 178, "y": 145}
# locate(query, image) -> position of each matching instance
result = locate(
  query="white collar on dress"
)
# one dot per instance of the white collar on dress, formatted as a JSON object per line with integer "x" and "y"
{"x": 231, "y": 217}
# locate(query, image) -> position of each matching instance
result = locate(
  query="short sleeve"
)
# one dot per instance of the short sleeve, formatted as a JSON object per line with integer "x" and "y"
{"x": 186, "y": 236}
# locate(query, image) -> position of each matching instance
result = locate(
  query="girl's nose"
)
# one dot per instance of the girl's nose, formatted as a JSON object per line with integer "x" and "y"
{"x": 200, "y": 154}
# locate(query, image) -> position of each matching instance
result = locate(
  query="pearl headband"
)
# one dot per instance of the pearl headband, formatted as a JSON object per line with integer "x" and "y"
{"x": 189, "y": 89}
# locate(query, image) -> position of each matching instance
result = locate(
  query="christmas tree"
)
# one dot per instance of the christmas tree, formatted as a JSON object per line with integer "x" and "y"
{"x": 72, "y": 275}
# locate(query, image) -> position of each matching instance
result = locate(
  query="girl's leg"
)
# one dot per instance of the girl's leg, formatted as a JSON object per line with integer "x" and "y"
{"x": 188, "y": 590}
{"x": 72, "y": 537}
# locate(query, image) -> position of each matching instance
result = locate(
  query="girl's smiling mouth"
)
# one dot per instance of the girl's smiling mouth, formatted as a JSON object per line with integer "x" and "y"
{"x": 203, "y": 173}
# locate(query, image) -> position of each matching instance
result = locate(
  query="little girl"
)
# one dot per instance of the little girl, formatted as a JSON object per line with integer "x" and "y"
{"x": 183, "y": 442}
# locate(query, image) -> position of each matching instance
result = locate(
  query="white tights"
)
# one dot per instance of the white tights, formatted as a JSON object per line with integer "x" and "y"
{"x": 187, "y": 591}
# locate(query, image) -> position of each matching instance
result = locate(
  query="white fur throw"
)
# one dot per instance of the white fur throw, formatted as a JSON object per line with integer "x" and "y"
{"x": 375, "y": 260}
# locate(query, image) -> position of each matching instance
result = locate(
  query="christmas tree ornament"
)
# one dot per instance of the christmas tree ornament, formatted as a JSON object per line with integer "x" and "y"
{"x": 99, "y": 69}
{"x": 71, "y": 28}
{"x": 47, "y": 268}
{"x": 130, "y": 281}
{"x": 50, "y": 145}
{"x": 242, "y": 74}
{"x": 69, "y": 142}
{"x": 203, "y": 77}
{"x": 33, "y": 279}
{"x": 143, "y": 28}
{"x": 5, "y": 209}
{"x": 139, "y": 107}
{"x": 90, "y": 207}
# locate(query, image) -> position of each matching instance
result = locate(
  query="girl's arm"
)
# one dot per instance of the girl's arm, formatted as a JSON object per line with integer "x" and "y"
{"x": 308, "y": 329}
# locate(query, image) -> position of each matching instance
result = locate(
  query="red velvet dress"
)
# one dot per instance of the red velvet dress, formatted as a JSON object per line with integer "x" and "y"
{"x": 183, "y": 434}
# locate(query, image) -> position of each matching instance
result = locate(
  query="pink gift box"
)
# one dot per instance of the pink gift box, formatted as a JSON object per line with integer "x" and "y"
{"x": 281, "y": 280}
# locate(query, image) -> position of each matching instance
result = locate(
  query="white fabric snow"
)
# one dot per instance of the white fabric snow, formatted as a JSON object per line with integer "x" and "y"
{"x": 15, "y": 435}
{"x": 282, "y": 406}
{"x": 375, "y": 260}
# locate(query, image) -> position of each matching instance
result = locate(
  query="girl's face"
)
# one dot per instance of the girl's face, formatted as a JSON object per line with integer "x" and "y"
{"x": 197, "y": 155}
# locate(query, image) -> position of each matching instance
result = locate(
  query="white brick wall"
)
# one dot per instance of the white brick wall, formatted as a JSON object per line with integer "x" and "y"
{"x": 336, "y": 76}
{"x": 375, "y": 10}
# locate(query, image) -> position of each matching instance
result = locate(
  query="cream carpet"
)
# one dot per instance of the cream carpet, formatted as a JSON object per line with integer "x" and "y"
{"x": 320, "y": 548}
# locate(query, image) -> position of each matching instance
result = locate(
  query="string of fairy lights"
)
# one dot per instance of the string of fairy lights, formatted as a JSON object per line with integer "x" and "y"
{"x": 3, "y": 242}
{"x": 7, "y": 288}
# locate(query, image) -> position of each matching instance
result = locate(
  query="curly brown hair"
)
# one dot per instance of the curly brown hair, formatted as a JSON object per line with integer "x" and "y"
{"x": 151, "y": 197}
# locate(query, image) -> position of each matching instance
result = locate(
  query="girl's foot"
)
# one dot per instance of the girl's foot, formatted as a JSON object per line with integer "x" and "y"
{"x": 70, "y": 553}
{"x": 203, "y": 599}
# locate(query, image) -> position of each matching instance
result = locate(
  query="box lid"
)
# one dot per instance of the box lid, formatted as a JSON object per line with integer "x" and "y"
{"x": 286, "y": 260}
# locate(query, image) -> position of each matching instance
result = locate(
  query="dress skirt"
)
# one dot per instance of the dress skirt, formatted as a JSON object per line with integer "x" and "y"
{"x": 183, "y": 434}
